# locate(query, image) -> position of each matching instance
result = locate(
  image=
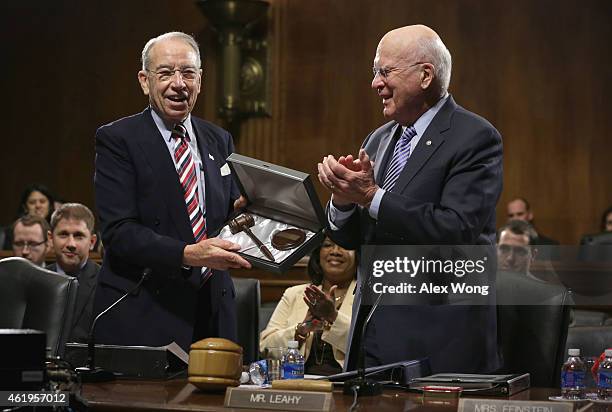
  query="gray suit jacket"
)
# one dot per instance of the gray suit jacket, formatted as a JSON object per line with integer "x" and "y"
{"x": 446, "y": 194}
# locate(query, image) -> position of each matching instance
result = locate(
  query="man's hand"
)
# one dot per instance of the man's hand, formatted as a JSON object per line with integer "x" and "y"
{"x": 240, "y": 202}
{"x": 350, "y": 180}
{"x": 214, "y": 253}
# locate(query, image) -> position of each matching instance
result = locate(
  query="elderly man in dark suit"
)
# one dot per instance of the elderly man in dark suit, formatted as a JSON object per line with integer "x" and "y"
{"x": 162, "y": 190}
{"x": 430, "y": 176}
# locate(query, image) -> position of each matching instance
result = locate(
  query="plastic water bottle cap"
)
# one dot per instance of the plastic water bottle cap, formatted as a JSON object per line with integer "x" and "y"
{"x": 573, "y": 352}
{"x": 608, "y": 353}
{"x": 293, "y": 344}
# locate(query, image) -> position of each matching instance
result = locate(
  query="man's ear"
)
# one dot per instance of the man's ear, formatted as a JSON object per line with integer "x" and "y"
{"x": 144, "y": 82}
{"x": 427, "y": 75}
{"x": 93, "y": 240}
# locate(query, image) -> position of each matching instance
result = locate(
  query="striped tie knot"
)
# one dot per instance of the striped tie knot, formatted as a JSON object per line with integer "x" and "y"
{"x": 401, "y": 153}
{"x": 179, "y": 132}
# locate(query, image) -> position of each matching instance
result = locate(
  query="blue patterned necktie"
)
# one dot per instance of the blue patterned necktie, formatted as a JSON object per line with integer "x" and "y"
{"x": 401, "y": 153}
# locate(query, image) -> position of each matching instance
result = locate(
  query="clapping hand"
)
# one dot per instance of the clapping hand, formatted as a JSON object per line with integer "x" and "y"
{"x": 322, "y": 305}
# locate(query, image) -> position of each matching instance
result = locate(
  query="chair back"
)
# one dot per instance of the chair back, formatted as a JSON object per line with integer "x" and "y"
{"x": 533, "y": 319}
{"x": 591, "y": 340}
{"x": 35, "y": 298}
{"x": 248, "y": 300}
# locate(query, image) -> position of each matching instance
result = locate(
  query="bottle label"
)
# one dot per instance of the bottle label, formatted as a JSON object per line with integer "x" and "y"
{"x": 572, "y": 379}
{"x": 293, "y": 370}
{"x": 605, "y": 379}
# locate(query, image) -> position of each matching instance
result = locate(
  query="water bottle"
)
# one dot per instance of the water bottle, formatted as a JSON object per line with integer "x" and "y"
{"x": 604, "y": 377}
{"x": 293, "y": 362}
{"x": 572, "y": 376}
{"x": 258, "y": 372}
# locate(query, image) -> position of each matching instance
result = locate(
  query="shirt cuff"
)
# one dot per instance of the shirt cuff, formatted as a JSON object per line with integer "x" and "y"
{"x": 337, "y": 218}
{"x": 375, "y": 205}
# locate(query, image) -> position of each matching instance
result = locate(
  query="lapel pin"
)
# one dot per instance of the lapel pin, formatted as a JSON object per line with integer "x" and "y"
{"x": 428, "y": 143}
{"x": 210, "y": 156}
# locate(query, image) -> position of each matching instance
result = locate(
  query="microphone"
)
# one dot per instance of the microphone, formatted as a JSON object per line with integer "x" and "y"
{"x": 362, "y": 385}
{"x": 91, "y": 373}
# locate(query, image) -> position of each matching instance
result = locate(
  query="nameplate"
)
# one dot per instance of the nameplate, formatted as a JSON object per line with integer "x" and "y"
{"x": 257, "y": 398}
{"x": 500, "y": 405}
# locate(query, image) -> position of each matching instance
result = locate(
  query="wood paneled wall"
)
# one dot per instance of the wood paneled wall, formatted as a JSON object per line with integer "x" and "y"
{"x": 538, "y": 70}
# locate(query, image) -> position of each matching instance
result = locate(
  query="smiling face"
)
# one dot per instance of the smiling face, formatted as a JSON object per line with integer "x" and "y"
{"x": 338, "y": 264}
{"x": 172, "y": 97}
{"x": 37, "y": 204}
{"x": 402, "y": 76}
{"x": 71, "y": 241}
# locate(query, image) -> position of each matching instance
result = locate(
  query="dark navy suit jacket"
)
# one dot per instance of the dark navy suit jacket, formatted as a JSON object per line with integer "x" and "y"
{"x": 83, "y": 309}
{"x": 145, "y": 225}
{"x": 446, "y": 194}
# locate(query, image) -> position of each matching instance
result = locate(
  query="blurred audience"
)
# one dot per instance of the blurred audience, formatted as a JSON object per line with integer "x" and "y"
{"x": 317, "y": 315}
{"x": 36, "y": 200}
{"x": 520, "y": 209}
{"x": 29, "y": 234}
{"x": 72, "y": 237}
{"x": 606, "y": 220}
{"x": 514, "y": 251}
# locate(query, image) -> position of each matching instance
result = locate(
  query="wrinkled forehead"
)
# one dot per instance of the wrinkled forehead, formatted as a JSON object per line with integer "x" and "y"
{"x": 392, "y": 50}
{"x": 172, "y": 52}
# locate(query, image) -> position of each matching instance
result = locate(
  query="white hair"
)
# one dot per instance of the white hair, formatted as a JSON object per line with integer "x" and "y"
{"x": 146, "y": 59}
{"x": 432, "y": 49}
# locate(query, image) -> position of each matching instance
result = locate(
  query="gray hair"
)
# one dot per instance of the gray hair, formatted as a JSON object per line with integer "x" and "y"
{"x": 432, "y": 49}
{"x": 519, "y": 227}
{"x": 146, "y": 59}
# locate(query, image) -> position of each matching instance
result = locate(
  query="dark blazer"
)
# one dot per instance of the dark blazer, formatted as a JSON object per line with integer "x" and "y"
{"x": 446, "y": 194}
{"x": 145, "y": 224}
{"x": 83, "y": 309}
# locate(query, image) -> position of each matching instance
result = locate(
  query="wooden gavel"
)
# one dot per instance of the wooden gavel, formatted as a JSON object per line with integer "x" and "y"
{"x": 243, "y": 223}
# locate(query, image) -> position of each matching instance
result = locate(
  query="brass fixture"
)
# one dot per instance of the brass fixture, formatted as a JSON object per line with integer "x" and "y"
{"x": 244, "y": 63}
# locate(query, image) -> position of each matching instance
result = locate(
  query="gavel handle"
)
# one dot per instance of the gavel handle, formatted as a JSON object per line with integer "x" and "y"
{"x": 261, "y": 246}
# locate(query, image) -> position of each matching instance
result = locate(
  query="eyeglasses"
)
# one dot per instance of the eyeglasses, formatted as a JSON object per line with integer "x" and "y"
{"x": 24, "y": 244}
{"x": 385, "y": 71}
{"x": 519, "y": 251}
{"x": 187, "y": 74}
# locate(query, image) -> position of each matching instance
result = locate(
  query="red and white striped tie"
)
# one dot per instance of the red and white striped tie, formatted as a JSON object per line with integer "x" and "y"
{"x": 186, "y": 169}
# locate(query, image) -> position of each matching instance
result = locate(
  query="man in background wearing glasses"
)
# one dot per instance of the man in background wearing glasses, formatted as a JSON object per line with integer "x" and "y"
{"x": 162, "y": 190}
{"x": 30, "y": 239}
{"x": 432, "y": 175}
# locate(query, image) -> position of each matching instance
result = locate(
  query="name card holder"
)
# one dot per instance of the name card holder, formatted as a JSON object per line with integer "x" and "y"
{"x": 257, "y": 398}
{"x": 500, "y": 405}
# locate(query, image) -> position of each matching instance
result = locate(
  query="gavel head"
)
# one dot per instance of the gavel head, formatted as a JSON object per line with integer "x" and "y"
{"x": 243, "y": 221}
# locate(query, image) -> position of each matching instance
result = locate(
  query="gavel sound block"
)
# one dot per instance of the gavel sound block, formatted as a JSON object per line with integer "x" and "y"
{"x": 243, "y": 223}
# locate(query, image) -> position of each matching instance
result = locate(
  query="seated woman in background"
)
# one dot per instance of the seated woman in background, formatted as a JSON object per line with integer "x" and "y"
{"x": 36, "y": 200}
{"x": 317, "y": 315}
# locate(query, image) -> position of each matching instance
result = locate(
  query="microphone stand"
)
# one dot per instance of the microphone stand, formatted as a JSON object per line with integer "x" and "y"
{"x": 362, "y": 385}
{"x": 91, "y": 373}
